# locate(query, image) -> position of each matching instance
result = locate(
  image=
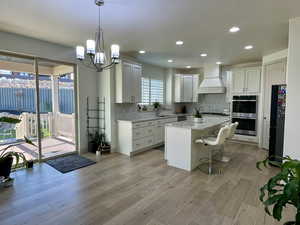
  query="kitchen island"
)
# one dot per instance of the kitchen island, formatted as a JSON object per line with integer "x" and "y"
{"x": 180, "y": 148}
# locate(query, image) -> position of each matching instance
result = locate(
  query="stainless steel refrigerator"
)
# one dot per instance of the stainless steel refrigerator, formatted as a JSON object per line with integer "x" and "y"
{"x": 278, "y": 104}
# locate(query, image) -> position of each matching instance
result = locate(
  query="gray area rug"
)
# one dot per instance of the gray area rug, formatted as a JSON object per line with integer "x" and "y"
{"x": 69, "y": 163}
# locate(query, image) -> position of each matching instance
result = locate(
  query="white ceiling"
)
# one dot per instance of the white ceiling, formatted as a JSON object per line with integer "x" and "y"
{"x": 155, "y": 26}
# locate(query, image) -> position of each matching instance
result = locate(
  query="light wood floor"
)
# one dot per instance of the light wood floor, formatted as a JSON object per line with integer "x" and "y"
{"x": 139, "y": 191}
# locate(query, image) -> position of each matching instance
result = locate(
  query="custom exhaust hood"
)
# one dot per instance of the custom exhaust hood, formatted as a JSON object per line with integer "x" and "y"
{"x": 212, "y": 83}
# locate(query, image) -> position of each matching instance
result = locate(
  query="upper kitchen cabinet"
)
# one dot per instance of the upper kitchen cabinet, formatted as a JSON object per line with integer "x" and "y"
{"x": 128, "y": 82}
{"x": 186, "y": 86}
{"x": 246, "y": 81}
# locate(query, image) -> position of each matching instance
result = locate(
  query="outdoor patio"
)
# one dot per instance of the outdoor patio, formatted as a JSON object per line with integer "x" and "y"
{"x": 51, "y": 147}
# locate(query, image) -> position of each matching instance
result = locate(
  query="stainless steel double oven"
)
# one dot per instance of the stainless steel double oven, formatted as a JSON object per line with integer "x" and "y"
{"x": 244, "y": 111}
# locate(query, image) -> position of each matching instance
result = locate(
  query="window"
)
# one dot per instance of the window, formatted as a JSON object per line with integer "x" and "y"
{"x": 152, "y": 91}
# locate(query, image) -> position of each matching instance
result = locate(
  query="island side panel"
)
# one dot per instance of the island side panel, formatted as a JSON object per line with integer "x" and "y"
{"x": 125, "y": 137}
{"x": 178, "y": 147}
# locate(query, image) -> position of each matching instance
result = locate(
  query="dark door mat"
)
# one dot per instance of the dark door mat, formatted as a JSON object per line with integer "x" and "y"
{"x": 69, "y": 163}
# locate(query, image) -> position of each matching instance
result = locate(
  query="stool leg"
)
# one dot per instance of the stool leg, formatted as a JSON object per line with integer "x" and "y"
{"x": 210, "y": 162}
{"x": 221, "y": 152}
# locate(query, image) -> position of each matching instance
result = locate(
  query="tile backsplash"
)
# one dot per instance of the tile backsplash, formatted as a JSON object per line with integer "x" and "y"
{"x": 216, "y": 103}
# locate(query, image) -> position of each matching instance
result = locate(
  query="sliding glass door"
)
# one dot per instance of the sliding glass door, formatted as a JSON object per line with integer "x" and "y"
{"x": 40, "y": 93}
{"x": 17, "y": 100}
{"x": 56, "y": 103}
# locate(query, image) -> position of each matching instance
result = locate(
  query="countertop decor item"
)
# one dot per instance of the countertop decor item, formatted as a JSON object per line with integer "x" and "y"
{"x": 198, "y": 116}
{"x": 156, "y": 108}
{"x": 283, "y": 189}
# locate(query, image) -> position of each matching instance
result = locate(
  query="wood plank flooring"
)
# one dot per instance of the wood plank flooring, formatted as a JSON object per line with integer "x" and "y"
{"x": 140, "y": 191}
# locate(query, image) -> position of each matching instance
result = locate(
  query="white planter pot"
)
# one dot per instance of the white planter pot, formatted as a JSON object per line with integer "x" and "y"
{"x": 198, "y": 120}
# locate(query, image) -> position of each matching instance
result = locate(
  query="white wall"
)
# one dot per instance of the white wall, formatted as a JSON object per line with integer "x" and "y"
{"x": 87, "y": 78}
{"x": 292, "y": 121}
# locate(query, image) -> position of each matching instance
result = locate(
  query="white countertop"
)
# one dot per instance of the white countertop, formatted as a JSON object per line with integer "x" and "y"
{"x": 208, "y": 121}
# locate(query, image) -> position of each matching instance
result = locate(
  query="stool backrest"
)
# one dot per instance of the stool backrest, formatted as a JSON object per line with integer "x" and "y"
{"x": 222, "y": 135}
{"x": 232, "y": 129}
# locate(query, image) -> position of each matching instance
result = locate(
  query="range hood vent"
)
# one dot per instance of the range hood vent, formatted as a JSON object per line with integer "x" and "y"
{"x": 212, "y": 83}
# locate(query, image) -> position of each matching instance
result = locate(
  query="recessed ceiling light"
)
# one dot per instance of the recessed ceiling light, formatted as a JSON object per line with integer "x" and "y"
{"x": 218, "y": 63}
{"x": 234, "y": 29}
{"x": 248, "y": 47}
{"x": 170, "y": 60}
{"x": 203, "y": 55}
{"x": 179, "y": 42}
{"x": 188, "y": 67}
{"x": 142, "y": 51}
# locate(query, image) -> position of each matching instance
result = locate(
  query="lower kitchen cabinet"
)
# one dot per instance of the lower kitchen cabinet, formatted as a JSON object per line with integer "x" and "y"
{"x": 134, "y": 137}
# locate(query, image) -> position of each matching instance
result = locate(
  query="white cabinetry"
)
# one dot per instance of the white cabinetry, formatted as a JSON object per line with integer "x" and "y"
{"x": 186, "y": 87}
{"x": 246, "y": 81}
{"x": 128, "y": 82}
{"x": 134, "y": 137}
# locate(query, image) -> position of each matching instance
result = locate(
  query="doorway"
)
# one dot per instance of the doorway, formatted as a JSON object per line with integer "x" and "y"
{"x": 275, "y": 74}
{"x": 42, "y": 94}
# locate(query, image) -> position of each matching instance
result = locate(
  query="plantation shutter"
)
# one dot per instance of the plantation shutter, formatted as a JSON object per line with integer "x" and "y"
{"x": 156, "y": 91}
{"x": 145, "y": 82}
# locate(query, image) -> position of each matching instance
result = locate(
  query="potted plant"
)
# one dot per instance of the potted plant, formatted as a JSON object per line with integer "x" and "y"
{"x": 156, "y": 108}
{"x": 198, "y": 116}
{"x": 7, "y": 156}
{"x": 282, "y": 189}
{"x": 94, "y": 142}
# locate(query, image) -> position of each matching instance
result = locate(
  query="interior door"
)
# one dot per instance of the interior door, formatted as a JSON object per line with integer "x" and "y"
{"x": 274, "y": 74}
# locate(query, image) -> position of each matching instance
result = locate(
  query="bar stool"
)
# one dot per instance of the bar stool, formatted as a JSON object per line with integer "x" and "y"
{"x": 231, "y": 132}
{"x": 214, "y": 142}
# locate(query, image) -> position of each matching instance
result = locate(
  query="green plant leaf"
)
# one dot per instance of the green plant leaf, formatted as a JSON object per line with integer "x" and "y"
{"x": 272, "y": 200}
{"x": 29, "y": 141}
{"x": 6, "y": 119}
{"x": 291, "y": 190}
{"x": 290, "y": 223}
{"x": 277, "y": 211}
{"x": 282, "y": 189}
{"x": 267, "y": 211}
{"x": 298, "y": 217}
{"x": 262, "y": 193}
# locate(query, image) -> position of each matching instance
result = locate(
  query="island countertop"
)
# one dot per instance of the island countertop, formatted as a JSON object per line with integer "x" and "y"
{"x": 208, "y": 121}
